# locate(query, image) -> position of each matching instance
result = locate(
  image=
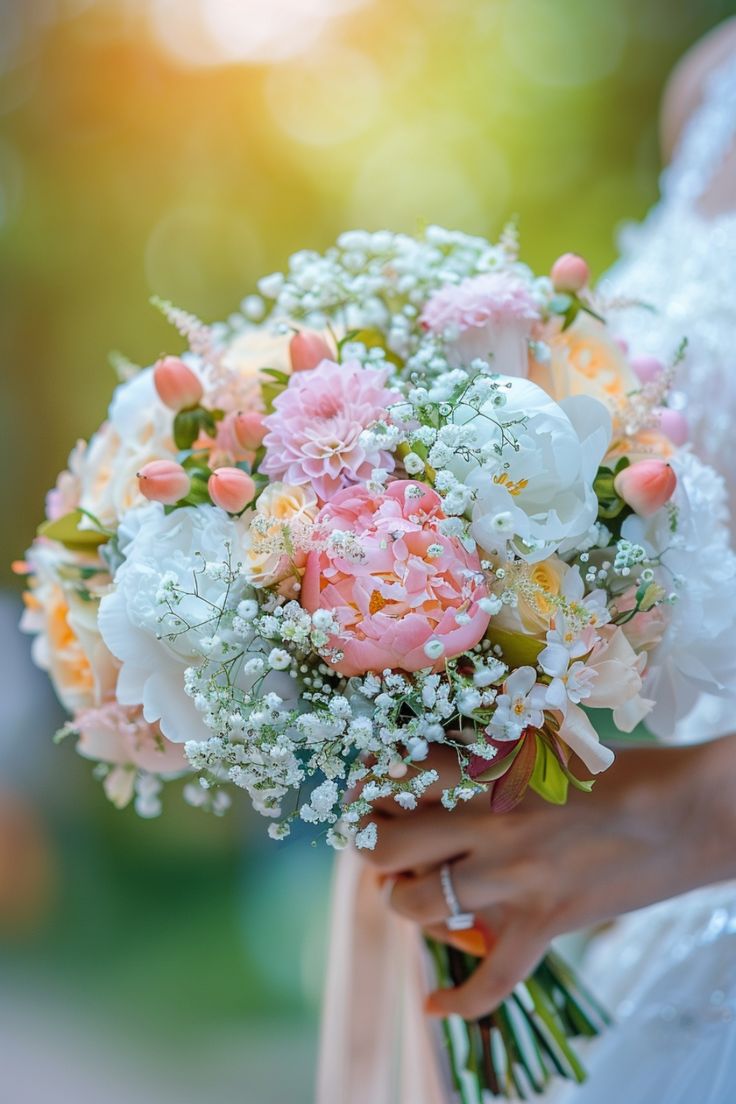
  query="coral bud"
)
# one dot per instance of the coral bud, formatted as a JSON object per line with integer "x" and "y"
{"x": 307, "y": 350}
{"x": 673, "y": 424}
{"x": 176, "y": 384}
{"x": 249, "y": 430}
{"x": 163, "y": 481}
{"x": 647, "y": 368}
{"x": 569, "y": 273}
{"x": 231, "y": 489}
{"x": 646, "y": 486}
{"x": 239, "y": 435}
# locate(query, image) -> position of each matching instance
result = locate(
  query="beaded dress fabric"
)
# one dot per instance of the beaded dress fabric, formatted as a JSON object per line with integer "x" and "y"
{"x": 668, "y": 973}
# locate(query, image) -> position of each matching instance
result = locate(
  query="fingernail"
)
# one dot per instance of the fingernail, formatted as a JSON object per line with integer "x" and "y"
{"x": 432, "y": 1006}
{"x": 473, "y": 941}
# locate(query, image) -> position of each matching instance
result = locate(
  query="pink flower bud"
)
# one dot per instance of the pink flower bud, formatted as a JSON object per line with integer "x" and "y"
{"x": 176, "y": 384}
{"x": 307, "y": 350}
{"x": 646, "y": 486}
{"x": 163, "y": 481}
{"x": 239, "y": 435}
{"x": 569, "y": 273}
{"x": 673, "y": 424}
{"x": 647, "y": 368}
{"x": 249, "y": 430}
{"x": 231, "y": 489}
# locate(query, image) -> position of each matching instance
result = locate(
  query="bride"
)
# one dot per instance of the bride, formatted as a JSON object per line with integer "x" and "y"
{"x": 663, "y": 825}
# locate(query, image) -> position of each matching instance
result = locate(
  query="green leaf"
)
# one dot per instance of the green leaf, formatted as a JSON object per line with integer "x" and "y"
{"x": 66, "y": 531}
{"x": 517, "y": 650}
{"x": 277, "y": 374}
{"x": 549, "y": 779}
{"x": 186, "y": 429}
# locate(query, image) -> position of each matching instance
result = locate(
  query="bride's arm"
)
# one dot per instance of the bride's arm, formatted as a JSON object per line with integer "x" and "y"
{"x": 682, "y": 97}
{"x": 660, "y": 822}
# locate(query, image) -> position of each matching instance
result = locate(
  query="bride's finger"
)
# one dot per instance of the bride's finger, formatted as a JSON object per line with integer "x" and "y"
{"x": 428, "y": 837}
{"x": 519, "y": 948}
{"x": 444, "y": 761}
{"x": 421, "y": 898}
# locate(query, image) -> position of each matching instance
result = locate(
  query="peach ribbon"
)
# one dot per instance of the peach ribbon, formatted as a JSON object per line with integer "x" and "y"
{"x": 377, "y": 1045}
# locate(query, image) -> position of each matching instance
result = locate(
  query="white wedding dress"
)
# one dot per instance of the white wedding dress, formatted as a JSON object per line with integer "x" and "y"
{"x": 668, "y": 973}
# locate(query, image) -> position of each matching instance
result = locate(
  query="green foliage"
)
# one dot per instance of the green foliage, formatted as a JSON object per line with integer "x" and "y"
{"x": 517, "y": 650}
{"x": 66, "y": 530}
{"x": 549, "y": 778}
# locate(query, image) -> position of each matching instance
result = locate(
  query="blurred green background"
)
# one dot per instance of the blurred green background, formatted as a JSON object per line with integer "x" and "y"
{"x": 183, "y": 148}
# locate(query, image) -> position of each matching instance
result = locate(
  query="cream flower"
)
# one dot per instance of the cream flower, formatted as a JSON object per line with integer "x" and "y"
{"x": 102, "y": 475}
{"x": 542, "y": 501}
{"x": 67, "y": 640}
{"x": 586, "y": 360}
{"x": 274, "y": 542}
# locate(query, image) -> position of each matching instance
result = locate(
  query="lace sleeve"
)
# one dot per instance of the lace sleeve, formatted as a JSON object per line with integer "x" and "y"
{"x": 706, "y": 139}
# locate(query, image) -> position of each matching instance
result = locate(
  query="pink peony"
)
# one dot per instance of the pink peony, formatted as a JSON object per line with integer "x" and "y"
{"x": 488, "y": 316}
{"x": 118, "y": 734}
{"x": 314, "y": 432}
{"x": 411, "y": 600}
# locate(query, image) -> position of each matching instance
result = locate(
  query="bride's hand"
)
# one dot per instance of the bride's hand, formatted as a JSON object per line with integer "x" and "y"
{"x": 660, "y": 822}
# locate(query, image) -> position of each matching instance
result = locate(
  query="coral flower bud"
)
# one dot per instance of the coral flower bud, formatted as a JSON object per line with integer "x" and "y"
{"x": 646, "y": 486}
{"x": 231, "y": 489}
{"x": 307, "y": 350}
{"x": 647, "y": 368}
{"x": 570, "y": 273}
{"x": 673, "y": 424}
{"x": 249, "y": 430}
{"x": 163, "y": 481}
{"x": 176, "y": 384}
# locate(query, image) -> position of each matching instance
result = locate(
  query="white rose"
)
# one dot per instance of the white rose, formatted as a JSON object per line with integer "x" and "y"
{"x": 138, "y": 429}
{"x": 543, "y": 502}
{"x": 156, "y": 640}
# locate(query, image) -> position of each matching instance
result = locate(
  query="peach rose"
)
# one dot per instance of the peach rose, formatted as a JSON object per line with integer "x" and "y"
{"x": 586, "y": 360}
{"x": 276, "y": 536}
{"x": 409, "y": 597}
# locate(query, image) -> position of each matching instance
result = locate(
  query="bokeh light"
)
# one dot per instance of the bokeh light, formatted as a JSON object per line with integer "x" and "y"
{"x": 212, "y": 32}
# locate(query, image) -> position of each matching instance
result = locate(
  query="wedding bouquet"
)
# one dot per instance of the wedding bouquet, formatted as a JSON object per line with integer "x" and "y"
{"x": 412, "y": 494}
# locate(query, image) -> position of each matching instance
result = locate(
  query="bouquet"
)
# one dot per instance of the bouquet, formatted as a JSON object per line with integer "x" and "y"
{"x": 411, "y": 494}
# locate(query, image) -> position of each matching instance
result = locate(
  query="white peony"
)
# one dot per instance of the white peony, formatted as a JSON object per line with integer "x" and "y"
{"x": 138, "y": 429}
{"x": 694, "y": 665}
{"x": 538, "y": 498}
{"x": 155, "y": 634}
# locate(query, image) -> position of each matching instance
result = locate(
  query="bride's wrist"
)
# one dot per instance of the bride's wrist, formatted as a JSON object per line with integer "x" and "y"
{"x": 710, "y": 812}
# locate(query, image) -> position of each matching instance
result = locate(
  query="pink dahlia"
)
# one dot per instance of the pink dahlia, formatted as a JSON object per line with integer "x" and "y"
{"x": 411, "y": 600}
{"x": 489, "y": 316}
{"x": 314, "y": 432}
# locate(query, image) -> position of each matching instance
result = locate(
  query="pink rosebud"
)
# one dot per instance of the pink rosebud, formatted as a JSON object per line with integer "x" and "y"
{"x": 163, "y": 481}
{"x": 646, "y": 486}
{"x": 673, "y": 424}
{"x": 249, "y": 430}
{"x": 647, "y": 368}
{"x": 231, "y": 489}
{"x": 176, "y": 384}
{"x": 570, "y": 273}
{"x": 307, "y": 350}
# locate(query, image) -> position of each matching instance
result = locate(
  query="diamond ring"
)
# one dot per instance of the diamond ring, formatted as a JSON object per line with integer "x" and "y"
{"x": 457, "y": 920}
